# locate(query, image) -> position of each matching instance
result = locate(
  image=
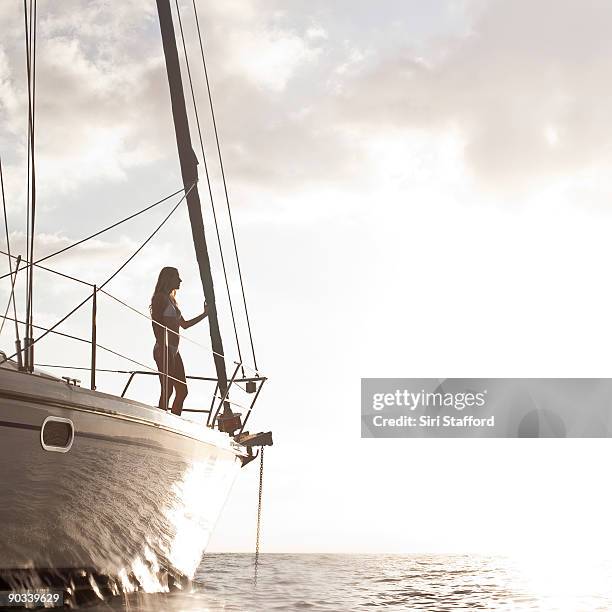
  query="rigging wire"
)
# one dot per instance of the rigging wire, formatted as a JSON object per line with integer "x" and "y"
{"x": 33, "y": 32}
{"x": 229, "y": 212}
{"x": 30, "y": 36}
{"x": 10, "y": 261}
{"x": 110, "y": 227}
{"x": 212, "y": 201}
{"x": 106, "y": 229}
{"x": 110, "y": 278}
{"x": 27, "y": 16}
{"x": 182, "y": 336}
{"x": 142, "y": 314}
{"x": 73, "y": 278}
{"x": 12, "y": 299}
{"x": 31, "y": 45}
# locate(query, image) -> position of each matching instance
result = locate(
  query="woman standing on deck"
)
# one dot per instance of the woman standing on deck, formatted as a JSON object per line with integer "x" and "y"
{"x": 165, "y": 313}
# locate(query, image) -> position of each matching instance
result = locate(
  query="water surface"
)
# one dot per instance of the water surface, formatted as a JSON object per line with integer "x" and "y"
{"x": 557, "y": 582}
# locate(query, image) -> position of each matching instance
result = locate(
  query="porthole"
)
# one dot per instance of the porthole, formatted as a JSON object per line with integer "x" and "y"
{"x": 57, "y": 434}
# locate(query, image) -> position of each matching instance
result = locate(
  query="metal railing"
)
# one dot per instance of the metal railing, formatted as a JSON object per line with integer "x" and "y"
{"x": 236, "y": 381}
{"x": 253, "y": 384}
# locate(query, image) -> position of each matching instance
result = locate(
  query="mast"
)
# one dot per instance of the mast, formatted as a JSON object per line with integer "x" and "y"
{"x": 189, "y": 171}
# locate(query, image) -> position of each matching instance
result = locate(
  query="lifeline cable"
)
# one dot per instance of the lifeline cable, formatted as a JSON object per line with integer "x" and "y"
{"x": 100, "y": 346}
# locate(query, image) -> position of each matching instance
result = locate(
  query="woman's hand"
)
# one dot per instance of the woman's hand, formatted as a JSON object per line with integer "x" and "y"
{"x": 188, "y": 324}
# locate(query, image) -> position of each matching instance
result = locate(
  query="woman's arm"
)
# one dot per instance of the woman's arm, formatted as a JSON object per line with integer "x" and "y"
{"x": 200, "y": 317}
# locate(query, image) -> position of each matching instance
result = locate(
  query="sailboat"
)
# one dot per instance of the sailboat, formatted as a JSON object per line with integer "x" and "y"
{"x": 103, "y": 485}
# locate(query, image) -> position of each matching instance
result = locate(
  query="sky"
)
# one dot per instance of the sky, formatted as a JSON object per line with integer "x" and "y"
{"x": 419, "y": 189}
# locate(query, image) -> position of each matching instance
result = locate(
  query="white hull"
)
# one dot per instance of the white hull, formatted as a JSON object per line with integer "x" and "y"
{"x": 138, "y": 491}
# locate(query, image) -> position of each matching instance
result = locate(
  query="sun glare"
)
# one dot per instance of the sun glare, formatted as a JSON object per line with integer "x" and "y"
{"x": 552, "y": 135}
{"x": 566, "y": 579}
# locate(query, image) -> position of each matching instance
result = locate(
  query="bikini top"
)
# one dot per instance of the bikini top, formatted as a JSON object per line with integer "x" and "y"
{"x": 166, "y": 312}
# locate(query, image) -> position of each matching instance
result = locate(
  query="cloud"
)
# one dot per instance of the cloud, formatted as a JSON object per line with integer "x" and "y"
{"x": 100, "y": 133}
{"x": 103, "y": 105}
{"x": 271, "y": 58}
{"x": 292, "y": 89}
{"x": 8, "y": 95}
{"x": 97, "y": 96}
{"x": 527, "y": 89}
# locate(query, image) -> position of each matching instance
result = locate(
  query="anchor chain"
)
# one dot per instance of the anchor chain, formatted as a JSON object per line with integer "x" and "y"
{"x": 261, "y": 467}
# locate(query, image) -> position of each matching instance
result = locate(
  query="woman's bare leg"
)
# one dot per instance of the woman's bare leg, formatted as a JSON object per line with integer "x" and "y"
{"x": 180, "y": 388}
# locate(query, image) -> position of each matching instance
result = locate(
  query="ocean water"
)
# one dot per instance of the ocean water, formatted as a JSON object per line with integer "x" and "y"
{"x": 557, "y": 581}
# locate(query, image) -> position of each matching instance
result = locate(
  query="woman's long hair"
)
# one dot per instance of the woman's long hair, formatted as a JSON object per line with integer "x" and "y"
{"x": 164, "y": 285}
